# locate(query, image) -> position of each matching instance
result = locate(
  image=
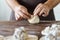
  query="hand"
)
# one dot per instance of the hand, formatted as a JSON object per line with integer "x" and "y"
{"x": 40, "y": 9}
{"x": 21, "y": 12}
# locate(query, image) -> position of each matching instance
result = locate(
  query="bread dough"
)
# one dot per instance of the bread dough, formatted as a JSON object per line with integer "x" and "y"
{"x": 1, "y": 37}
{"x": 30, "y": 37}
{"x": 21, "y": 34}
{"x": 49, "y": 33}
{"x": 47, "y": 38}
{"x": 34, "y": 19}
{"x": 46, "y": 31}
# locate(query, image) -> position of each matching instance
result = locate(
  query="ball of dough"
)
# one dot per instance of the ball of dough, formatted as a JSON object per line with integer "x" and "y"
{"x": 1, "y": 37}
{"x": 34, "y": 19}
{"x": 32, "y": 37}
{"x": 46, "y": 31}
{"x": 47, "y": 38}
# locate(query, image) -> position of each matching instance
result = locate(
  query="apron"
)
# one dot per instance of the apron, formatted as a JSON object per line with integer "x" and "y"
{"x": 30, "y": 5}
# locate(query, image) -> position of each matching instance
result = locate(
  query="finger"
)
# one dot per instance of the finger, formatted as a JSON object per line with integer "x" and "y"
{"x": 38, "y": 6}
{"x": 26, "y": 13}
{"x": 37, "y": 11}
{"x": 41, "y": 12}
{"x": 45, "y": 13}
{"x": 23, "y": 15}
{"x": 16, "y": 16}
{"x": 20, "y": 18}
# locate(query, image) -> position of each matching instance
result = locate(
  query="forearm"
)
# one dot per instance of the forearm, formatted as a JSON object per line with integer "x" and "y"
{"x": 12, "y": 3}
{"x": 52, "y": 3}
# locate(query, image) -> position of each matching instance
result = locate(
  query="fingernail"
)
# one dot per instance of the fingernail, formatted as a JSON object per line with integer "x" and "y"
{"x": 16, "y": 18}
{"x": 34, "y": 14}
{"x": 43, "y": 15}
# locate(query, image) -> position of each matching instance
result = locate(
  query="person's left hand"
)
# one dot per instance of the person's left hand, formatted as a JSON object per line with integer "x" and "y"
{"x": 42, "y": 9}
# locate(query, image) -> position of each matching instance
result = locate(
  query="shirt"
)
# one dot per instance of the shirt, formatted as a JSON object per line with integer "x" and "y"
{"x": 30, "y": 4}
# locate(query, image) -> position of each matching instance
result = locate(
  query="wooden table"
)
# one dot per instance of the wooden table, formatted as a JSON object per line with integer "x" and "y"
{"x": 7, "y": 27}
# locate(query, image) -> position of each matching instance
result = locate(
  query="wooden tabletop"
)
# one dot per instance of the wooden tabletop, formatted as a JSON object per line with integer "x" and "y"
{"x": 7, "y": 27}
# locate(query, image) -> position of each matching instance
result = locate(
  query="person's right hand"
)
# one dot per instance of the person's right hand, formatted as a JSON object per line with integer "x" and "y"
{"x": 21, "y": 12}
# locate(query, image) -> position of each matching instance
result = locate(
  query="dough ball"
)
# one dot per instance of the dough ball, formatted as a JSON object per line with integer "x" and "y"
{"x": 1, "y": 37}
{"x": 32, "y": 37}
{"x": 47, "y": 38}
{"x": 46, "y": 31}
{"x": 34, "y": 19}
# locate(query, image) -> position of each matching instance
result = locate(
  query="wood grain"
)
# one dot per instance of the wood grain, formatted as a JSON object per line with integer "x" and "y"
{"x": 7, "y": 27}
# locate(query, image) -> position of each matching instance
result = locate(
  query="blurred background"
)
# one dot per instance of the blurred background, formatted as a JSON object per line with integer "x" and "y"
{"x": 5, "y": 11}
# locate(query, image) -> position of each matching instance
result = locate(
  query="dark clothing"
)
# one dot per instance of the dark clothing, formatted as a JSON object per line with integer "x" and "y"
{"x": 31, "y": 4}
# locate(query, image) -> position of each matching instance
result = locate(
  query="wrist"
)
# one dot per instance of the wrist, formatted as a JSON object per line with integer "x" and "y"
{"x": 17, "y": 7}
{"x": 49, "y": 4}
{"x": 52, "y": 3}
